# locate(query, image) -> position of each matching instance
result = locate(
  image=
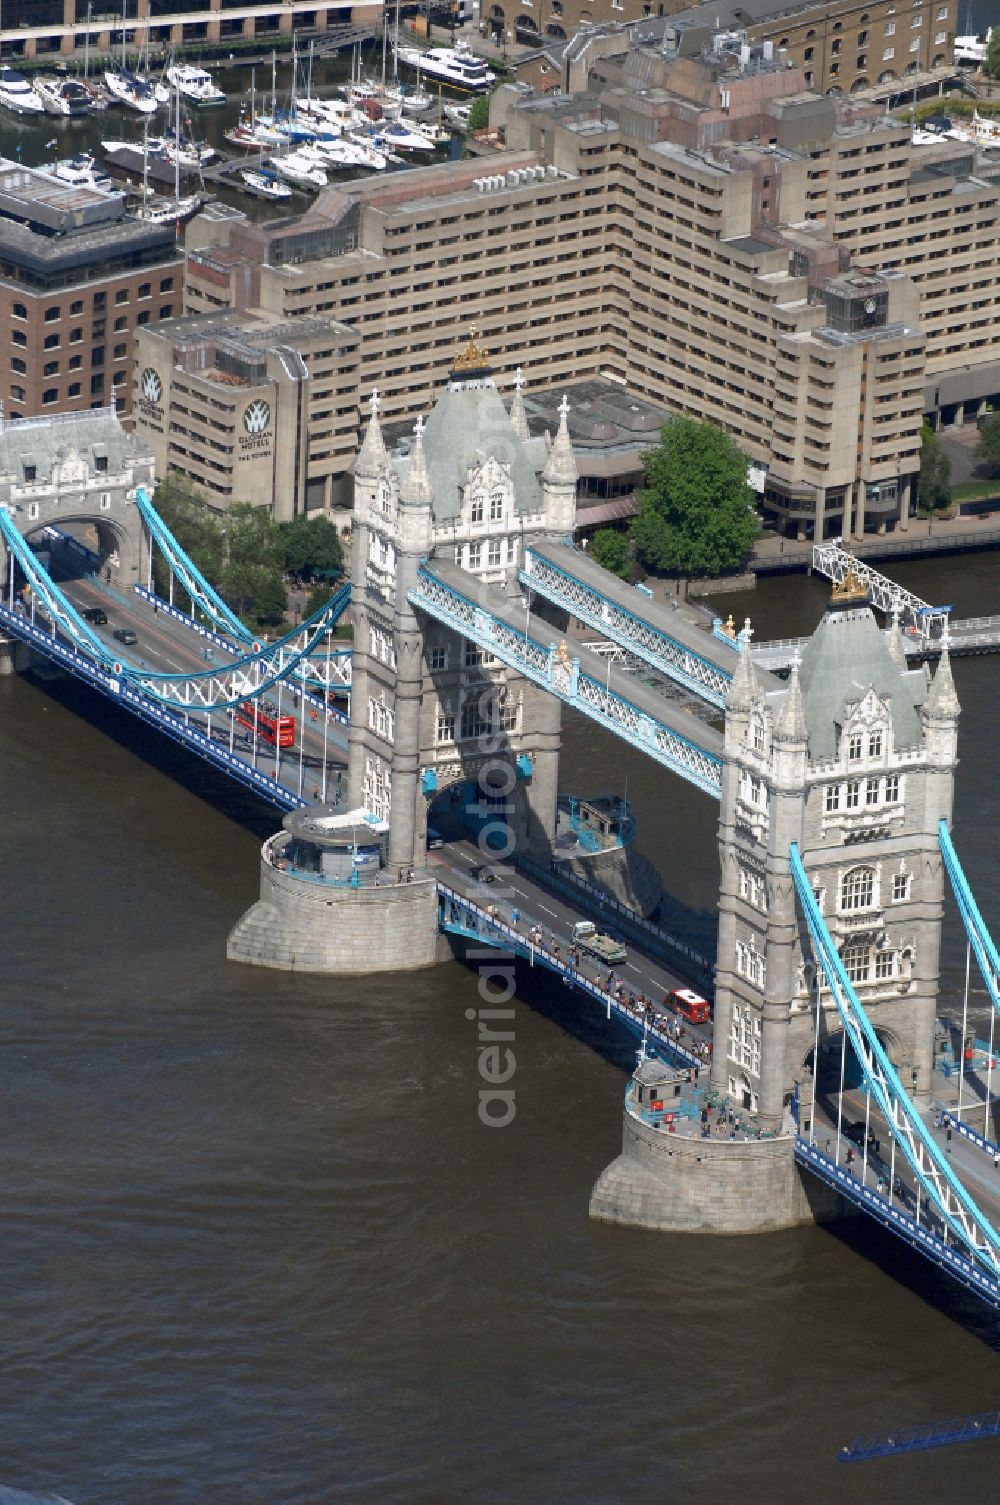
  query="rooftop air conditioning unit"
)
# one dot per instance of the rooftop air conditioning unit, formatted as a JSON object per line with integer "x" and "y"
{"x": 552, "y": 171}
{"x": 513, "y": 178}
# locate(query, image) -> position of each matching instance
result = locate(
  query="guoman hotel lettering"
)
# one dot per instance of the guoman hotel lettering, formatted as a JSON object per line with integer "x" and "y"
{"x": 257, "y": 425}
{"x": 150, "y": 401}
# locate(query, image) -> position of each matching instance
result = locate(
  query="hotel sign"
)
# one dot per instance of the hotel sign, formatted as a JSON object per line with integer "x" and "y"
{"x": 255, "y": 440}
{"x": 150, "y": 399}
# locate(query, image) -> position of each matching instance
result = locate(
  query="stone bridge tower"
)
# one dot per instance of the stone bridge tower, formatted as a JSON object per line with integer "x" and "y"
{"x": 429, "y": 709}
{"x": 855, "y": 762}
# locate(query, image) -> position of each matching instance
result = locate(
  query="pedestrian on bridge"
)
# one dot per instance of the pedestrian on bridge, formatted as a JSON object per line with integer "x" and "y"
{"x": 513, "y": 919}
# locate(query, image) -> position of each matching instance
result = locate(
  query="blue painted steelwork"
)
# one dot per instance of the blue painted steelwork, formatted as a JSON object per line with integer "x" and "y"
{"x": 920, "y": 1439}
{"x": 61, "y": 611}
{"x": 980, "y": 939}
{"x": 948, "y": 1120}
{"x": 948, "y": 1257}
{"x": 629, "y": 629}
{"x": 442, "y": 597}
{"x": 170, "y": 722}
{"x": 205, "y": 597}
{"x": 931, "y": 1168}
{"x": 460, "y": 915}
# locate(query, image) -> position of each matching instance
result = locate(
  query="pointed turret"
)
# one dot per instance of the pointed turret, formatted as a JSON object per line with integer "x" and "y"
{"x": 791, "y": 723}
{"x": 942, "y": 702}
{"x": 518, "y": 417}
{"x": 560, "y": 467}
{"x": 416, "y": 489}
{"x": 896, "y": 646}
{"x": 372, "y": 455}
{"x": 744, "y": 687}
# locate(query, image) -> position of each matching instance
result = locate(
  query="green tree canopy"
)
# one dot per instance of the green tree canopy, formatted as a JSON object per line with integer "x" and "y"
{"x": 610, "y": 549}
{"x": 252, "y": 580}
{"x": 934, "y": 480}
{"x": 196, "y": 527}
{"x": 697, "y": 513}
{"x": 991, "y": 65}
{"x": 311, "y": 544}
{"x": 988, "y": 448}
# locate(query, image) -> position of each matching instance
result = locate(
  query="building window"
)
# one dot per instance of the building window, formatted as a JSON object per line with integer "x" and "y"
{"x": 478, "y": 505}
{"x": 166, "y": 311}
{"x": 17, "y": 393}
{"x": 855, "y": 744}
{"x": 885, "y": 965}
{"x": 888, "y": 53}
{"x": 16, "y": 364}
{"x": 757, "y": 728}
{"x": 19, "y": 311}
{"x": 437, "y": 658}
{"x": 835, "y": 46}
{"x": 75, "y": 336}
{"x": 915, "y": 45}
{"x": 852, "y": 795}
{"x": 96, "y": 385}
{"x": 472, "y": 656}
{"x": 97, "y": 355}
{"x": 73, "y": 390}
{"x": 871, "y": 791}
{"x": 51, "y": 342}
{"x": 916, "y": 21}
{"x": 101, "y": 464}
{"x": 862, "y": 38}
{"x": 892, "y": 789}
{"x": 942, "y": 14}
{"x": 857, "y": 889}
{"x": 900, "y": 887}
{"x": 493, "y": 553}
{"x": 30, "y": 472}
{"x": 119, "y": 378}
{"x": 75, "y": 362}
{"x": 381, "y": 719}
{"x": 445, "y": 728}
{"x": 121, "y": 351}
{"x": 475, "y": 556}
{"x": 143, "y": 317}
{"x": 76, "y": 308}
{"x": 744, "y": 1041}
{"x": 752, "y": 790}
{"x": 100, "y": 302}
{"x": 751, "y": 964}
{"x": 51, "y": 368}
{"x": 940, "y": 36}
{"x": 50, "y": 395}
{"x": 832, "y": 801}
{"x": 496, "y": 507}
{"x": 19, "y": 338}
{"x": 166, "y": 284}
{"x": 753, "y": 888}
{"x": 890, "y": 28}
{"x": 121, "y": 324}
{"x": 53, "y": 313}
{"x": 121, "y": 296}
{"x": 857, "y": 962}
{"x": 809, "y": 53}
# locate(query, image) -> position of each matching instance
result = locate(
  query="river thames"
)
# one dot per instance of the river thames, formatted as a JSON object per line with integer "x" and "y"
{"x": 258, "y": 1246}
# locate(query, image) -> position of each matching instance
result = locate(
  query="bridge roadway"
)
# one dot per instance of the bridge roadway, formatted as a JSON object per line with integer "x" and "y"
{"x": 969, "y": 636}
{"x": 165, "y": 643}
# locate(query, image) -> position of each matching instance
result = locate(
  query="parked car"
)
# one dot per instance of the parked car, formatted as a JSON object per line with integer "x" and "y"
{"x": 95, "y": 614}
{"x": 126, "y": 635}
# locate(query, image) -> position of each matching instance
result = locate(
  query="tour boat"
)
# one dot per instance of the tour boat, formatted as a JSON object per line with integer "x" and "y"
{"x": 457, "y": 66}
{"x": 301, "y": 170}
{"x": 63, "y": 96}
{"x": 17, "y": 95}
{"x": 130, "y": 90}
{"x": 264, "y": 184}
{"x": 195, "y": 84}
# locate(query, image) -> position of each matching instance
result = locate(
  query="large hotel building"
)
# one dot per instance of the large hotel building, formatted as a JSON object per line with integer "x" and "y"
{"x": 703, "y": 230}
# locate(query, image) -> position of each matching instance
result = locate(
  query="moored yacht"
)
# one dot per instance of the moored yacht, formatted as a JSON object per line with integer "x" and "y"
{"x": 195, "y": 85}
{"x": 81, "y": 171}
{"x": 17, "y": 95}
{"x": 457, "y": 66}
{"x": 302, "y": 170}
{"x": 63, "y": 96}
{"x": 130, "y": 90}
{"x": 398, "y": 136}
{"x": 264, "y": 183}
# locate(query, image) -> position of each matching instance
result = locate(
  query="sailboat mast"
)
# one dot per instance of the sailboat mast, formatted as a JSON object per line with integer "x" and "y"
{"x": 86, "y": 45}
{"x": 177, "y": 148}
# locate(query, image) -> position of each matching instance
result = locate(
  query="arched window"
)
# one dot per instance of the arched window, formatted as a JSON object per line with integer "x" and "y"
{"x": 496, "y": 506}
{"x": 857, "y": 889}
{"x": 478, "y": 507}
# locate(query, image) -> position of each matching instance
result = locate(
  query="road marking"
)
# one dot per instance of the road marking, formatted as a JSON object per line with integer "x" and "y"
{"x": 548, "y": 911}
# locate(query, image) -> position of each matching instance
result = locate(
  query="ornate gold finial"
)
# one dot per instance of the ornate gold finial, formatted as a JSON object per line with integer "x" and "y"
{"x": 473, "y": 357}
{"x": 730, "y": 627}
{"x": 563, "y": 655}
{"x": 851, "y": 588}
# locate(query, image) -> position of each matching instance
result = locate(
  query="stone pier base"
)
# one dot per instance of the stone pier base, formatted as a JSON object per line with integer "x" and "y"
{"x": 303, "y": 926}
{"x": 15, "y": 656}
{"x": 669, "y": 1182}
{"x": 622, "y": 872}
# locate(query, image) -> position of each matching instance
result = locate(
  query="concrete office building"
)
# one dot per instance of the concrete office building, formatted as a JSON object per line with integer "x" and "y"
{"x": 239, "y": 404}
{"x": 34, "y": 28}
{"x": 78, "y": 276}
{"x": 704, "y": 230}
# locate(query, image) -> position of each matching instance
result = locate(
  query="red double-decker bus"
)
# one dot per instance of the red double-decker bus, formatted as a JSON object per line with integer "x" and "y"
{"x": 275, "y": 729}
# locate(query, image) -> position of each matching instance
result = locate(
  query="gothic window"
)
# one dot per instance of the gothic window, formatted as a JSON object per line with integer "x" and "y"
{"x": 875, "y": 745}
{"x": 750, "y": 963}
{"x": 473, "y": 657}
{"x": 486, "y": 710}
{"x": 437, "y": 658}
{"x": 444, "y": 730}
{"x": 892, "y": 789}
{"x": 871, "y": 791}
{"x": 478, "y": 504}
{"x": 377, "y": 788}
{"x": 885, "y": 964}
{"x": 854, "y": 747}
{"x": 832, "y": 797}
{"x": 857, "y": 962}
{"x": 900, "y": 887}
{"x": 853, "y": 795}
{"x": 382, "y": 647}
{"x": 745, "y": 1037}
{"x": 857, "y": 889}
{"x": 475, "y": 555}
{"x": 381, "y": 719}
{"x": 496, "y": 506}
{"x": 752, "y": 790}
{"x": 493, "y": 553}
{"x": 753, "y": 888}
{"x": 757, "y": 733}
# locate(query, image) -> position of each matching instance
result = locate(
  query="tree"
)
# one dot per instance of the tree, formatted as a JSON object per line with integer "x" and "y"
{"x": 988, "y": 448}
{"x": 195, "y": 526}
{"x": 697, "y": 514}
{"x": 610, "y": 549}
{"x": 934, "y": 480}
{"x": 479, "y": 113}
{"x": 991, "y": 64}
{"x": 311, "y": 544}
{"x": 252, "y": 574}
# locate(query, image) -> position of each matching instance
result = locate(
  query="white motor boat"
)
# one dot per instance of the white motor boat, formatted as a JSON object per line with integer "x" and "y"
{"x": 458, "y": 115}
{"x": 342, "y": 152}
{"x": 130, "y": 90}
{"x": 187, "y": 153}
{"x": 263, "y": 183}
{"x": 329, "y": 113}
{"x": 301, "y": 169}
{"x": 63, "y": 96}
{"x": 165, "y": 211}
{"x": 457, "y": 66}
{"x": 414, "y": 101}
{"x": 17, "y": 95}
{"x": 397, "y": 136}
{"x": 81, "y": 171}
{"x": 195, "y": 85}
{"x": 161, "y": 92}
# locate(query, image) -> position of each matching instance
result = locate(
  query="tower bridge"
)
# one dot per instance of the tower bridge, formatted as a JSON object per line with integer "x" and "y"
{"x": 834, "y": 790}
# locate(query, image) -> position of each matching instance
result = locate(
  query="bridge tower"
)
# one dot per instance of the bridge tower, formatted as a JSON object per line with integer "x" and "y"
{"x": 855, "y": 762}
{"x": 429, "y": 710}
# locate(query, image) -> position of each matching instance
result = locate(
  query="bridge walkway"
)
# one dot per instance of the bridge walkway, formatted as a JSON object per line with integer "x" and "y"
{"x": 966, "y": 637}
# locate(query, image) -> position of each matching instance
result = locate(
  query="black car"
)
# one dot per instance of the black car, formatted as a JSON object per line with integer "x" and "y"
{"x": 96, "y": 614}
{"x": 482, "y": 873}
{"x": 126, "y": 635}
{"x": 856, "y": 1133}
